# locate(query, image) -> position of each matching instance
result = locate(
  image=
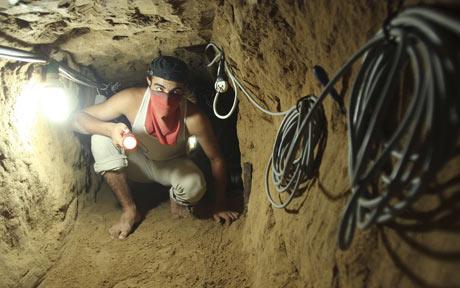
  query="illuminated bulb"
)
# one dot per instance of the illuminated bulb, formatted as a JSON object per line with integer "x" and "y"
{"x": 55, "y": 103}
{"x": 129, "y": 141}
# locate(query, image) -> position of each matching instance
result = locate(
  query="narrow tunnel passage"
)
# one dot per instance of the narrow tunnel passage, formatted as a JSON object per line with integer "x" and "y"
{"x": 365, "y": 175}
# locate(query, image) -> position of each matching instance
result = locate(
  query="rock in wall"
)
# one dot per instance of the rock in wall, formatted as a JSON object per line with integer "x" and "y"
{"x": 44, "y": 178}
{"x": 273, "y": 46}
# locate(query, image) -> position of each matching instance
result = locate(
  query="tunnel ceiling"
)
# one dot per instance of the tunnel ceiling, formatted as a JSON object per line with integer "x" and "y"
{"x": 115, "y": 38}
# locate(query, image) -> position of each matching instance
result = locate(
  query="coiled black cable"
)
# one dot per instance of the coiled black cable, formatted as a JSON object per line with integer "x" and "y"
{"x": 389, "y": 173}
{"x": 291, "y": 171}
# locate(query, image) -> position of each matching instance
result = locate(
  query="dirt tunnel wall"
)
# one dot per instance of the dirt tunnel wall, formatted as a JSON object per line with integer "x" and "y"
{"x": 44, "y": 179}
{"x": 273, "y": 45}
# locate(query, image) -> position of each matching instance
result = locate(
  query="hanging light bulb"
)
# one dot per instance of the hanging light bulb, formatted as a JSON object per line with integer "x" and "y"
{"x": 55, "y": 103}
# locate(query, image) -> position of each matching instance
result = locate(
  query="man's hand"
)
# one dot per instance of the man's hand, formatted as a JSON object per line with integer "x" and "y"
{"x": 227, "y": 216}
{"x": 198, "y": 124}
{"x": 118, "y": 130}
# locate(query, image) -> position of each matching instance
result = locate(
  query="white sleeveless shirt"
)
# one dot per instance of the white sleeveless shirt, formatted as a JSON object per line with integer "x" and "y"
{"x": 149, "y": 145}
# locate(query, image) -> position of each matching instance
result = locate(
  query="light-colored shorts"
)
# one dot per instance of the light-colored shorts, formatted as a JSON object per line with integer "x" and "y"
{"x": 187, "y": 182}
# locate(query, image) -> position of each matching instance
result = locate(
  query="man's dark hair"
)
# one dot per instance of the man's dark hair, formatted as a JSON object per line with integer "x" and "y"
{"x": 169, "y": 68}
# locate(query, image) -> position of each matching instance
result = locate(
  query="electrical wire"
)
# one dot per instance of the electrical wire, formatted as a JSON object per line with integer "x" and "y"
{"x": 398, "y": 167}
{"x": 302, "y": 131}
{"x": 291, "y": 172}
{"x": 287, "y": 173}
{"x": 309, "y": 135}
{"x": 64, "y": 70}
{"x": 73, "y": 75}
{"x": 388, "y": 173}
{"x": 20, "y": 55}
{"x": 236, "y": 84}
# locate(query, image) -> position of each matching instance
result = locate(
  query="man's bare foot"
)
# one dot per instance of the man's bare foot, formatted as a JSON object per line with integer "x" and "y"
{"x": 125, "y": 225}
{"x": 179, "y": 211}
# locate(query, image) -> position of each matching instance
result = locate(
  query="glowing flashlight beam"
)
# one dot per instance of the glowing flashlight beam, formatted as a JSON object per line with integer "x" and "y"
{"x": 129, "y": 141}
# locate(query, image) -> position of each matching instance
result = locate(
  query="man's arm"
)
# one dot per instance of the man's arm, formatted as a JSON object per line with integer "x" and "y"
{"x": 94, "y": 119}
{"x": 198, "y": 124}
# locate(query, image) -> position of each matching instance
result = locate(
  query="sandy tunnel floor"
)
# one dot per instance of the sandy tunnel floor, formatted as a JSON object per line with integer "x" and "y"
{"x": 162, "y": 252}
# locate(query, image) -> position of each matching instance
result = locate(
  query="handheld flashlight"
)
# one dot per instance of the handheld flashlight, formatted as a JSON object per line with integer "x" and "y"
{"x": 129, "y": 141}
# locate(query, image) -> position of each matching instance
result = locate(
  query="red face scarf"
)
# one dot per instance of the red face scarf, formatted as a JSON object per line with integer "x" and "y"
{"x": 163, "y": 117}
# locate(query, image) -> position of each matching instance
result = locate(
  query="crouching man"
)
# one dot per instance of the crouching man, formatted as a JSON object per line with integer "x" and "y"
{"x": 161, "y": 120}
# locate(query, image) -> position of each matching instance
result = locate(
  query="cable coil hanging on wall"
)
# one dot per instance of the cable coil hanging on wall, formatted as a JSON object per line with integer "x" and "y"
{"x": 389, "y": 172}
{"x": 289, "y": 171}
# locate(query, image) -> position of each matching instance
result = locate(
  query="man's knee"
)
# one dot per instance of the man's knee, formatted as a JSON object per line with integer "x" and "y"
{"x": 115, "y": 175}
{"x": 196, "y": 188}
{"x": 190, "y": 190}
{"x": 106, "y": 156}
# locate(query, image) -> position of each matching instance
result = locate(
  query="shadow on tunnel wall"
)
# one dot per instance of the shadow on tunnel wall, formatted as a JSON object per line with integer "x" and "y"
{"x": 438, "y": 213}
